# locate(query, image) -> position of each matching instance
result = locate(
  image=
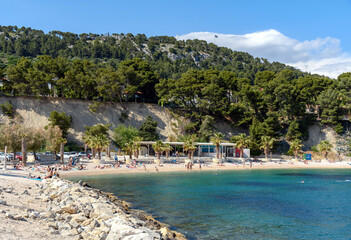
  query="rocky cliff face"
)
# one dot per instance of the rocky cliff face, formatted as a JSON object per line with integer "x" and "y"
{"x": 35, "y": 113}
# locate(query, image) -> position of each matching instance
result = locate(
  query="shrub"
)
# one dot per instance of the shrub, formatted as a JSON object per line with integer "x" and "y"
{"x": 94, "y": 106}
{"x": 7, "y": 109}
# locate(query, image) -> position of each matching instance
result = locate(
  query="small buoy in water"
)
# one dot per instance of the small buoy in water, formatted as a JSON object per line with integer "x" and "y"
{"x": 302, "y": 181}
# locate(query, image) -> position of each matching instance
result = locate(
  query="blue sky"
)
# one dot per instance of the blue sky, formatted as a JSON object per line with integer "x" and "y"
{"x": 301, "y": 21}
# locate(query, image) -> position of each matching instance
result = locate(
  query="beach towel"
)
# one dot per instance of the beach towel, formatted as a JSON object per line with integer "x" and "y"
{"x": 37, "y": 179}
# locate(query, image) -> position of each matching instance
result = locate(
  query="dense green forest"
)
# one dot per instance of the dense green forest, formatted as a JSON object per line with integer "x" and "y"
{"x": 200, "y": 79}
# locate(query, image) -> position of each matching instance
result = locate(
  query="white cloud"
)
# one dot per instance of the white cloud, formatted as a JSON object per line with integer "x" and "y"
{"x": 322, "y": 55}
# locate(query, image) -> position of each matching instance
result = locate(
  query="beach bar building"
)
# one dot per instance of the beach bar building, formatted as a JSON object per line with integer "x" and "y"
{"x": 203, "y": 149}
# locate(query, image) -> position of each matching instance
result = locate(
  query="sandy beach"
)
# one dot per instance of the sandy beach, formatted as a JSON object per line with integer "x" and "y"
{"x": 107, "y": 168}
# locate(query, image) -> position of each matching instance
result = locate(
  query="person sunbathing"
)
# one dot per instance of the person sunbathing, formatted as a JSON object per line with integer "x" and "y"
{"x": 33, "y": 176}
{"x": 70, "y": 163}
{"x": 55, "y": 173}
{"x": 18, "y": 166}
{"x": 49, "y": 174}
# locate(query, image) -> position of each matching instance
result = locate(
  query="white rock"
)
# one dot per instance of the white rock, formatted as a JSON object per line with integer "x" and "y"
{"x": 79, "y": 218}
{"x": 17, "y": 217}
{"x": 102, "y": 235}
{"x": 104, "y": 215}
{"x": 120, "y": 229}
{"x": 52, "y": 225}
{"x": 140, "y": 236}
{"x": 63, "y": 226}
{"x": 8, "y": 190}
{"x": 45, "y": 198}
{"x": 94, "y": 224}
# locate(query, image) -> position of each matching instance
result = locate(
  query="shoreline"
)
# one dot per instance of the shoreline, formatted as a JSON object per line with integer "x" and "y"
{"x": 166, "y": 168}
{"x": 51, "y": 204}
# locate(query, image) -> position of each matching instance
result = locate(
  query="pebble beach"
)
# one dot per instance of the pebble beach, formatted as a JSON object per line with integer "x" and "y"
{"x": 60, "y": 209}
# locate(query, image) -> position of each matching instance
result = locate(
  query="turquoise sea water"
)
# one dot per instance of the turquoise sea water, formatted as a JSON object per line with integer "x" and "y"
{"x": 257, "y": 204}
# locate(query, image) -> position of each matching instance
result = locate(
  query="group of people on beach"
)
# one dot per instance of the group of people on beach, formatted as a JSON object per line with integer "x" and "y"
{"x": 50, "y": 172}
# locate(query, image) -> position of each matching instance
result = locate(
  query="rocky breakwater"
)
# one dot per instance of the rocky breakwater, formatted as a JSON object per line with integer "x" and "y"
{"x": 75, "y": 211}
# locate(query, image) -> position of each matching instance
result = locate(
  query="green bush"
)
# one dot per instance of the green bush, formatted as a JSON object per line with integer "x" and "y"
{"x": 94, "y": 106}
{"x": 71, "y": 146}
{"x": 339, "y": 128}
{"x": 124, "y": 117}
{"x": 7, "y": 109}
{"x": 314, "y": 149}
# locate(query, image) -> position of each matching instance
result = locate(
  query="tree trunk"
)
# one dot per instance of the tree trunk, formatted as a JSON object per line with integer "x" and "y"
{"x": 108, "y": 152}
{"x": 85, "y": 147}
{"x": 62, "y": 149}
{"x": 99, "y": 154}
{"x": 93, "y": 152}
{"x": 130, "y": 156}
{"x": 167, "y": 154}
{"x": 135, "y": 153}
{"x": 217, "y": 151}
{"x": 24, "y": 152}
{"x": 158, "y": 155}
{"x": 241, "y": 152}
{"x": 5, "y": 157}
{"x": 266, "y": 154}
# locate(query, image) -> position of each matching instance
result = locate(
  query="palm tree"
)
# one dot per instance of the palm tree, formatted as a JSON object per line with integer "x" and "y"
{"x": 99, "y": 142}
{"x": 189, "y": 145}
{"x": 129, "y": 148}
{"x": 216, "y": 140}
{"x": 296, "y": 146}
{"x": 324, "y": 147}
{"x": 242, "y": 141}
{"x": 159, "y": 148}
{"x": 267, "y": 143}
{"x": 88, "y": 142}
{"x": 85, "y": 140}
{"x": 136, "y": 146}
{"x": 167, "y": 147}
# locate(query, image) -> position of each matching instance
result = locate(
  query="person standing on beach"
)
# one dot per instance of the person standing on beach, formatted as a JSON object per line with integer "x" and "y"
{"x": 156, "y": 169}
{"x": 200, "y": 165}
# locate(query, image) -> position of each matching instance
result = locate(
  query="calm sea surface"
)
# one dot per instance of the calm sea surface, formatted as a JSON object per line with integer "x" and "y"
{"x": 257, "y": 204}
